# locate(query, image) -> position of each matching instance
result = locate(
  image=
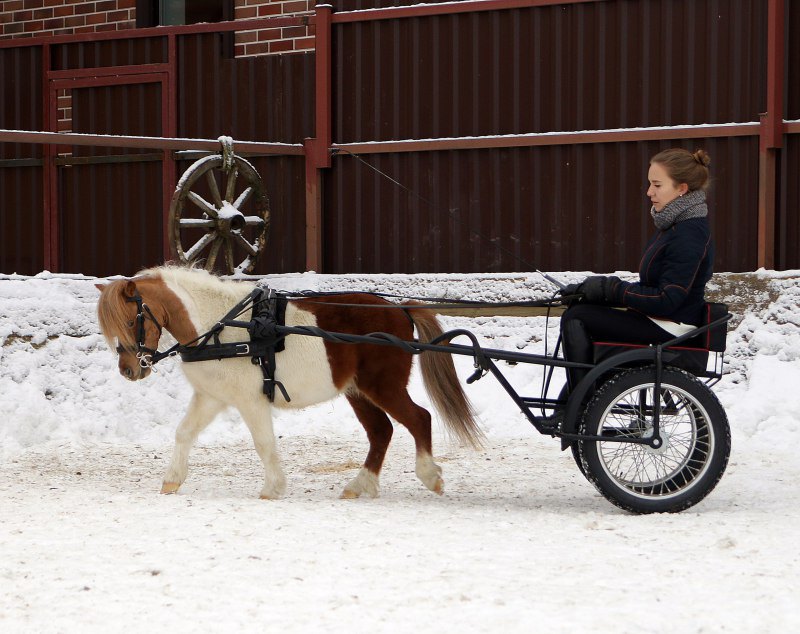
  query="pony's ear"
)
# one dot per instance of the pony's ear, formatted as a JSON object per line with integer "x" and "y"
{"x": 100, "y": 287}
{"x": 130, "y": 289}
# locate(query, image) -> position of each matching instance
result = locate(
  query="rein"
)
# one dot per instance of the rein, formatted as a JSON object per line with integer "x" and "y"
{"x": 267, "y": 332}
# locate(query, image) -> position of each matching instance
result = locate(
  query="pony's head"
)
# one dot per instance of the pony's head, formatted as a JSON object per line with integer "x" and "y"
{"x": 130, "y": 319}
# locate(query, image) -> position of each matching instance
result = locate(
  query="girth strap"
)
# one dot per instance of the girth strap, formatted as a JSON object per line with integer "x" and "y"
{"x": 269, "y": 312}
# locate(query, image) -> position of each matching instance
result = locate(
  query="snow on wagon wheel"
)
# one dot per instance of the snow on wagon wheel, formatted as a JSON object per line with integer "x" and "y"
{"x": 220, "y": 214}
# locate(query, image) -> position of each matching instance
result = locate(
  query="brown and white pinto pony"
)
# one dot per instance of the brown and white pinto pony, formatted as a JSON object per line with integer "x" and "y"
{"x": 188, "y": 302}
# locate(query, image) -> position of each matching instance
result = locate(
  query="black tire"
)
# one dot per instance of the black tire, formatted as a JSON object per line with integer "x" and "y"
{"x": 642, "y": 479}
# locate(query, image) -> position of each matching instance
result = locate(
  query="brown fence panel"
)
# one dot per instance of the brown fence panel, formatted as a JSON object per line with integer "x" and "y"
{"x": 568, "y": 207}
{"x": 586, "y": 66}
{"x": 116, "y": 52}
{"x": 593, "y": 65}
{"x": 787, "y": 226}
{"x": 21, "y": 200}
{"x": 788, "y": 222}
{"x": 110, "y": 198}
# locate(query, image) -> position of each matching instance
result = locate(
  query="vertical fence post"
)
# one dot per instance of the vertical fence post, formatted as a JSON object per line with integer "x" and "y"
{"x": 316, "y": 149}
{"x": 771, "y": 136}
{"x": 169, "y": 127}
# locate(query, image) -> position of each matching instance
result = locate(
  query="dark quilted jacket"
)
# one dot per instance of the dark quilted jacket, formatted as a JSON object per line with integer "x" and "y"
{"x": 673, "y": 273}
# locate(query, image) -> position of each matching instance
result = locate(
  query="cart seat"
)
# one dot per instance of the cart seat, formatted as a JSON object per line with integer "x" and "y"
{"x": 693, "y": 353}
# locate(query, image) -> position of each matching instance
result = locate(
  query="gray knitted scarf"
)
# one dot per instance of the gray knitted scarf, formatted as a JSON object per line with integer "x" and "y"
{"x": 690, "y": 205}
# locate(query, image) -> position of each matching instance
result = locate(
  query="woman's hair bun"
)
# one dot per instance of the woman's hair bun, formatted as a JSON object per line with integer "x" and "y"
{"x": 702, "y": 157}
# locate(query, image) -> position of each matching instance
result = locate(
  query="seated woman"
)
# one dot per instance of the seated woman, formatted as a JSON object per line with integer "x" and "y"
{"x": 668, "y": 299}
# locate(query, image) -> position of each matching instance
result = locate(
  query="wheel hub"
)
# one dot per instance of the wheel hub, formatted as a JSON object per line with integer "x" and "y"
{"x": 229, "y": 219}
{"x": 663, "y": 442}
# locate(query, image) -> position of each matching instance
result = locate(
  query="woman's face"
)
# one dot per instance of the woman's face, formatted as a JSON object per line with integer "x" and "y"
{"x": 663, "y": 190}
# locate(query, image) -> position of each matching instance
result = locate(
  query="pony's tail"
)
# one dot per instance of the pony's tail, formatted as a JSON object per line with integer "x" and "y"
{"x": 442, "y": 384}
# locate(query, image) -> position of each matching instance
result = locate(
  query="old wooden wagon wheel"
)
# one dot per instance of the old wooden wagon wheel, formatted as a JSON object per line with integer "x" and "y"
{"x": 220, "y": 213}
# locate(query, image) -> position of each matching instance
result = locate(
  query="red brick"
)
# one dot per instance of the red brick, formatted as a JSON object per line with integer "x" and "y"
{"x": 105, "y": 27}
{"x": 280, "y": 47}
{"x": 14, "y": 27}
{"x": 270, "y": 9}
{"x": 304, "y": 43}
{"x": 53, "y": 3}
{"x": 295, "y": 7}
{"x": 121, "y": 26}
{"x": 293, "y": 31}
{"x": 243, "y": 37}
{"x": 238, "y": 51}
{"x": 84, "y": 29}
{"x": 63, "y": 32}
{"x": 246, "y": 12}
{"x": 106, "y": 5}
{"x": 75, "y": 20}
{"x": 62, "y": 11}
{"x": 5, "y": 18}
{"x": 126, "y": 4}
{"x": 257, "y": 48}
{"x": 54, "y": 23}
{"x": 117, "y": 16}
{"x": 269, "y": 34}
{"x": 87, "y": 7}
{"x": 13, "y": 5}
{"x": 33, "y": 4}
{"x": 36, "y": 25}
{"x": 22, "y": 16}
{"x": 41, "y": 14}
{"x": 96, "y": 18}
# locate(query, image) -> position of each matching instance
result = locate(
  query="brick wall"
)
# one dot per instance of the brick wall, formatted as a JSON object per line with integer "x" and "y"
{"x": 273, "y": 40}
{"x": 26, "y": 18}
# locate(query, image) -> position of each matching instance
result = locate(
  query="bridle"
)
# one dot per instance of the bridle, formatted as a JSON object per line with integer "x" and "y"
{"x": 143, "y": 353}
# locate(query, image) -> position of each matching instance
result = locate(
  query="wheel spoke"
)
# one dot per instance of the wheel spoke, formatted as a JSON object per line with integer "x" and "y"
{"x": 212, "y": 256}
{"x": 231, "y": 185}
{"x": 254, "y": 221}
{"x": 243, "y": 198}
{"x": 203, "y": 204}
{"x": 201, "y": 244}
{"x": 196, "y": 223}
{"x": 212, "y": 184}
{"x": 245, "y": 244}
{"x": 229, "y": 256}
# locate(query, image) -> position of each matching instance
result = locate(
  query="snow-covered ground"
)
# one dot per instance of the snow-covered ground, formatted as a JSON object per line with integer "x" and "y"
{"x": 519, "y": 542}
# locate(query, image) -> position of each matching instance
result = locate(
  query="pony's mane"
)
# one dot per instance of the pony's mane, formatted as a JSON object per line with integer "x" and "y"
{"x": 111, "y": 315}
{"x": 188, "y": 276}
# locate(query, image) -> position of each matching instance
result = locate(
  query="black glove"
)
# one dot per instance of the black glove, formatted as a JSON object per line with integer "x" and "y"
{"x": 570, "y": 294}
{"x": 569, "y": 289}
{"x": 599, "y": 289}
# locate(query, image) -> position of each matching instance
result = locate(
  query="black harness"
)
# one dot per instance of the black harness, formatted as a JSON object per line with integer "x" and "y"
{"x": 268, "y": 313}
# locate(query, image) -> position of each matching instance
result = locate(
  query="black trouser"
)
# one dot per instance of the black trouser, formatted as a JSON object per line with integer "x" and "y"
{"x": 583, "y": 324}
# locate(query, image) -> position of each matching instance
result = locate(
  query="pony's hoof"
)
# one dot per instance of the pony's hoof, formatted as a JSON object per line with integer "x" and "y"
{"x": 349, "y": 494}
{"x": 438, "y": 487}
{"x": 168, "y": 488}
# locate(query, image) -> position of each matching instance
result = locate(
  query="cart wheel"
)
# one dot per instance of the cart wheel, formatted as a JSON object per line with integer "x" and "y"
{"x": 214, "y": 225}
{"x": 644, "y": 479}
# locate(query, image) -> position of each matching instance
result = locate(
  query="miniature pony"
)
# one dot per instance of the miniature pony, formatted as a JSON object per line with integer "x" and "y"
{"x": 189, "y": 302}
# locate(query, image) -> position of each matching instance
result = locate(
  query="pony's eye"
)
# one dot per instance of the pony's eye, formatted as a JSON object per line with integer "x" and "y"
{"x": 131, "y": 323}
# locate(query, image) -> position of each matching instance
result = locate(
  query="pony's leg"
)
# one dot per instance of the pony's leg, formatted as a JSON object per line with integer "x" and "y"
{"x": 379, "y": 432}
{"x": 398, "y": 404}
{"x": 202, "y": 410}
{"x": 257, "y": 416}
